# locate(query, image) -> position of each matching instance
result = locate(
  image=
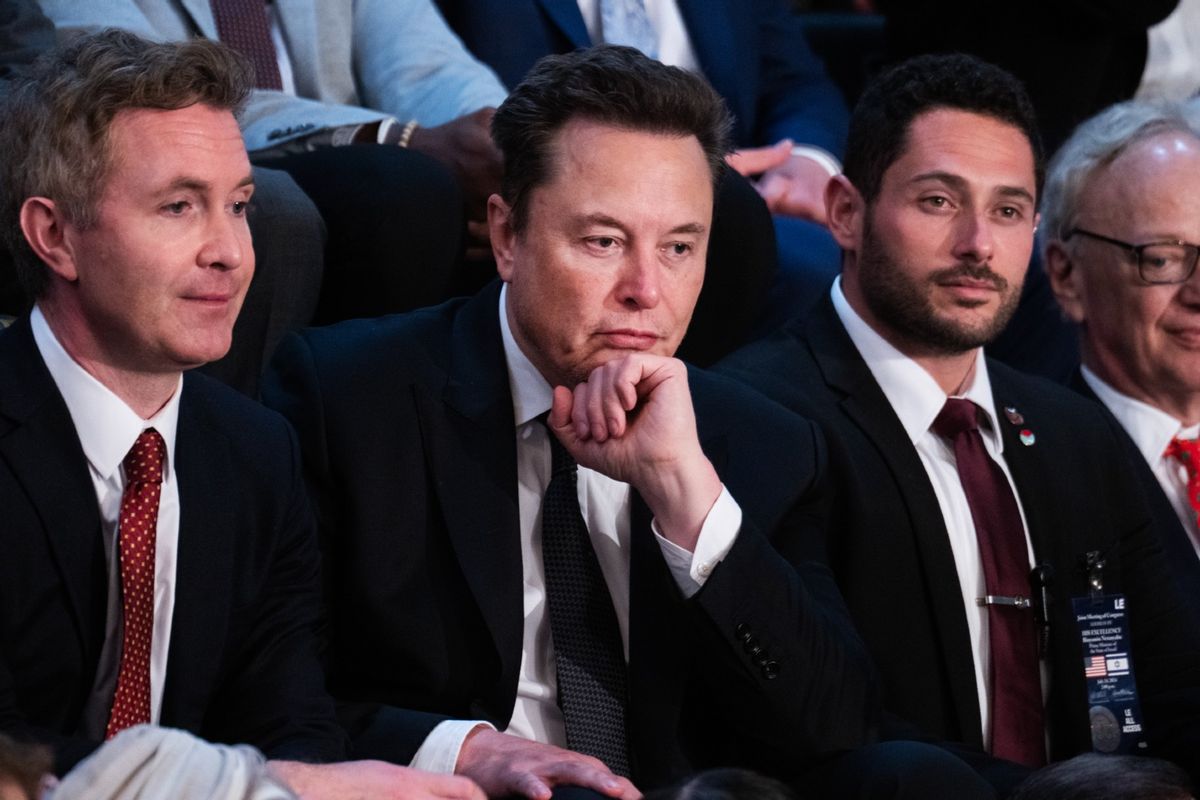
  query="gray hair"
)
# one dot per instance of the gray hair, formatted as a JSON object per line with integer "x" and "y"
{"x": 1094, "y": 145}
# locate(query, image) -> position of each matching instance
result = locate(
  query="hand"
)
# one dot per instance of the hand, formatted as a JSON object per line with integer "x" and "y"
{"x": 351, "y": 780}
{"x": 465, "y": 145}
{"x": 791, "y": 185}
{"x": 507, "y": 765}
{"x": 632, "y": 420}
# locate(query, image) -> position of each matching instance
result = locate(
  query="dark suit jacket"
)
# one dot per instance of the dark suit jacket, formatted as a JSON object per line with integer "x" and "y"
{"x": 753, "y": 52}
{"x": 891, "y": 555}
{"x": 1176, "y": 542}
{"x": 406, "y": 423}
{"x": 242, "y": 666}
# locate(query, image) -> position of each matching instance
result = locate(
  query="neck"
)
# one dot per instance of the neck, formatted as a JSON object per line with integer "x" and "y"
{"x": 1183, "y": 405}
{"x": 144, "y": 392}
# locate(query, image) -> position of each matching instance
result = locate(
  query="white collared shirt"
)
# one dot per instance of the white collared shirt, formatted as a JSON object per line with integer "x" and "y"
{"x": 605, "y": 506}
{"x": 1152, "y": 430}
{"x": 107, "y": 429}
{"x": 917, "y": 399}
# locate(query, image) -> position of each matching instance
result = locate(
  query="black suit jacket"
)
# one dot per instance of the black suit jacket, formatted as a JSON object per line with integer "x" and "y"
{"x": 242, "y": 665}
{"x": 1175, "y": 540}
{"x": 407, "y": 427}
{"x": 891, "y": 555}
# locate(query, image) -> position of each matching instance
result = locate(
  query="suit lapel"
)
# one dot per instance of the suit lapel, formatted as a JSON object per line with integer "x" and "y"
{"x": 206, "y": 553}
{"x": 711, "y": 25}
{"x": 865, "y": 404}
{"x": 40, "y": 445}
{"x": 202, "y": 17}
{"x": 565, "y": 14}
{"x": 471, "y": 449}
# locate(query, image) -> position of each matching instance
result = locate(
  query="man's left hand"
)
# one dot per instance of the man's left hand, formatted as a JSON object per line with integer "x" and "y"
{"x": 792, "y": 185}
{"x": 632, "y": 420}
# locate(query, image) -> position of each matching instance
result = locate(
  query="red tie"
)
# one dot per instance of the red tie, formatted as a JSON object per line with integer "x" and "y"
{"x": 137, "y": 527}
{"x": 1187, "y": 452}
{"x": 1018, "y": 733}
{"x": 243, "y": 25}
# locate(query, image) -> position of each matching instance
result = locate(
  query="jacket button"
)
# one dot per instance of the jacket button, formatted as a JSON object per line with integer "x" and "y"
{"x": 755, "y": 652}
{"x": 741, "y": 630}
{"x": 761, "y": 658}
{"x": 770, "y": 670}
{"x": 750, "y": 643}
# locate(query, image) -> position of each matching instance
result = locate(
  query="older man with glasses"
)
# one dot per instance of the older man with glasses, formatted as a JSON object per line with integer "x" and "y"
{"x": 1119, "y": 217}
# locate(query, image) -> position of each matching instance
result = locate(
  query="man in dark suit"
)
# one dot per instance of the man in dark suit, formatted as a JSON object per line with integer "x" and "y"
{"x": 936, "y": 216}
{"x": 438, "y": 480}
{"x": 789, "y": 117}
{"x": 160, "y": 560}
{"x": 1118, "y": 219}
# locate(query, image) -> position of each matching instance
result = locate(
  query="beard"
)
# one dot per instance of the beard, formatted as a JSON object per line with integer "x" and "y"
{"x": 904, "y": 303}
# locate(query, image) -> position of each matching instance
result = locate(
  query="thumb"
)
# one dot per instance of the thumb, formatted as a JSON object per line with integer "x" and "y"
{"x": 756, "y": 160}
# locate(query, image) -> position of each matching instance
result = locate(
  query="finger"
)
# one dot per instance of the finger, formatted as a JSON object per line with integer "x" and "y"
{"x": 597, "y": 777}
{"x": 615, "y": 407}
{"x": 455, "y": 787}
{"x": 756, "y": 160}
{"x": 477, "y": 254}
{"x": 579, "y": 413}
{"x": 529, "y": 785}
{"x": 560, "y": 415}
{"x": 595, "y": 404}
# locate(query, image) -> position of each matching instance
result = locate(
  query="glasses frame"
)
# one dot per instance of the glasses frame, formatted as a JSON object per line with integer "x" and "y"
{"x": 1138, "y": 249}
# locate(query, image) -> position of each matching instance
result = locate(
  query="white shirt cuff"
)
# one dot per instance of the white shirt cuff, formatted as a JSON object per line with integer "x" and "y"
{"x": 822, "y": 157}
{"x": 439, "y": 752}
{"x": 717, "y": 535}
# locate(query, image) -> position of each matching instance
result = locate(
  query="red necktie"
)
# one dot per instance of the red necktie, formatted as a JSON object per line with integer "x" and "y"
{"x": 137, "y": 527}
{"x": 243, "y": 25}
{"x": 1187, "y": 452}
{"x": 1018, "y": 732}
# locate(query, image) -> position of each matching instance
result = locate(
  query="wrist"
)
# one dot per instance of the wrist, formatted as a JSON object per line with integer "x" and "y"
{"x": 680, "y": 499}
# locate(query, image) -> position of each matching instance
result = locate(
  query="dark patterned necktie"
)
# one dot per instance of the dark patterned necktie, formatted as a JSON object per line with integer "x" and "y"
{"x": 588, "y": 654}
{"x": 243, "y": 25}
{"x": 137, "y": 529}
{"x": 1018, "y": 732}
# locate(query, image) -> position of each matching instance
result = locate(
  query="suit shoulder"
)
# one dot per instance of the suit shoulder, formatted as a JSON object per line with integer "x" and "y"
{"x": 219, "y": 408}
{"x": 724, "y": 404}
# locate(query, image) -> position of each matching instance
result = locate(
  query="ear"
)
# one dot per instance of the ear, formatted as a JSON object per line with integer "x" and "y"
{"x": 1065, "y": 280}
{"x": 46, "y": 229}
{"x": 844, "y": 209}
{"x": 502, "y": 234}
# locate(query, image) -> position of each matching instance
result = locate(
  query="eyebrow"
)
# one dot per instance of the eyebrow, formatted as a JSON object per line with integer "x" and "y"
{"x": 958, "y": 183}
{"x": 694, "y": 228}
{"x": 196, "y": 185}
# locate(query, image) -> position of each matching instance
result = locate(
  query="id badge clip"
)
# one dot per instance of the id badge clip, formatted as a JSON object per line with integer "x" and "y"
{"x": 1113, "y": 707}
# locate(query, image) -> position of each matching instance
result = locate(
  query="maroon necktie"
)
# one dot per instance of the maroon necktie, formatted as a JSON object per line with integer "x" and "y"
{"x": 243, "y": 25}
{"x": 137, "y": 528}
{"x": 1018, "y": 731}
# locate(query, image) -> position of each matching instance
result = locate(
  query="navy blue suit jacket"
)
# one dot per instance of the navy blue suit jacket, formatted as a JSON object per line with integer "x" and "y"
{"x": 753, "y": 52}
{"x": 242, "y": 665}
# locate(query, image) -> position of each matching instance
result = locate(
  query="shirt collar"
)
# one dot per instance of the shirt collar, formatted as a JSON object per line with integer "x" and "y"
{"x": 532, "y": 395}
{"x": 1151, "y": 429}
{"x": 106, "y": 426}
{"x": 912, "y": 392}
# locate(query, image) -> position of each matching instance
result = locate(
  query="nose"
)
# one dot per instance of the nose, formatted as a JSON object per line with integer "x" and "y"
{"x": 226, "y": 242}
{"x": 640, "y": 282}
{"x": 973, "y": 240}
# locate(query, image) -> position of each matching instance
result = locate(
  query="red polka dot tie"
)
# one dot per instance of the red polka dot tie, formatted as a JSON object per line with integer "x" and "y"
{"x": 137, "y": 527}
{"x": 244, "y": 26}
{"x": 1187, "y": 452}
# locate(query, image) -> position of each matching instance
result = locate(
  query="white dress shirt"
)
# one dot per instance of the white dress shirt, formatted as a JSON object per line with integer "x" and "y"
{"x": 1152, "y": 430}
{"x": 604, "y": 504}
{"x": 107, "y": 429}
{"x": 917, "y": 399}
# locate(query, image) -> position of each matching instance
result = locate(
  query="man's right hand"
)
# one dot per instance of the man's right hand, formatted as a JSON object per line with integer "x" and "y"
{"x": 505, "y": 765}
{"x": 352, "y": 780}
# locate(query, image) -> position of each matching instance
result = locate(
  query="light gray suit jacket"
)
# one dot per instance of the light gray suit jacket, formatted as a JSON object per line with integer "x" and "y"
{"x": 354, "y": 61}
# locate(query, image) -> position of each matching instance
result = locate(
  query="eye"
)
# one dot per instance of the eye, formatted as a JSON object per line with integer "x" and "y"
{"x": 604, "y": 242}
{"x": 177, "y": 208}
{"x": 936, "y": 202}
{"x": 240, "y": 207}
{"x": 679, "y": 248}
{"x": 1011, "y": 212}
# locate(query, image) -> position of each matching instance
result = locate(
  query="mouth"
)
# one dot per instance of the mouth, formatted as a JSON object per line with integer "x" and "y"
{"x": 1189, "y": 337}
{"x": 629, "y": 338}
{"x": 210, "y": 299}
{"x": 971, "y": 284}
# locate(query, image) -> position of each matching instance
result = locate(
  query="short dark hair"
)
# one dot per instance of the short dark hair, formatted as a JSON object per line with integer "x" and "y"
{"x": 1093, "y": 776}
{"x": 609, "y": 84}
{"x": 884, "y": 114}
{"x": 726, "y": 784}
{"x": 54, "y": 141}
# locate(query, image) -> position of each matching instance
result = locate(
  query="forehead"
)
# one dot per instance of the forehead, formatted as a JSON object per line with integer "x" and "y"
{"x": 1158, "y": 176}
{"x": 979, "y": 149}
{"x": 146, "y": 144}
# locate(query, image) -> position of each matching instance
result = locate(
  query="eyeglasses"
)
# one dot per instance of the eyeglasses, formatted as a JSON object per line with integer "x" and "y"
{"x": 1157, "y": 262}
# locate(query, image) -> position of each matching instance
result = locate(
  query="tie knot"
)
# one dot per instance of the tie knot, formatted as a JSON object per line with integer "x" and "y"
{"x": 957, "y": 416}
{"x": 1186, "y": 451}
{"x": 144, "y": 463}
